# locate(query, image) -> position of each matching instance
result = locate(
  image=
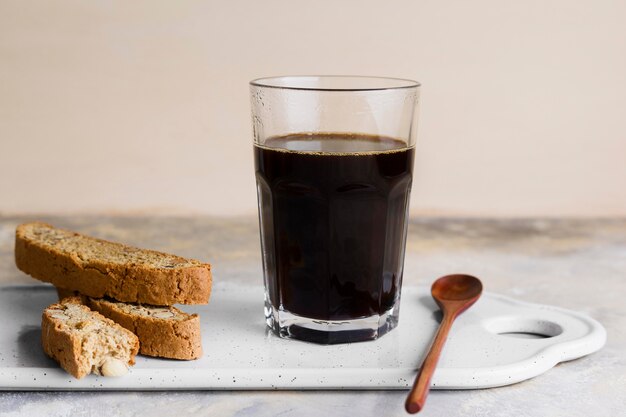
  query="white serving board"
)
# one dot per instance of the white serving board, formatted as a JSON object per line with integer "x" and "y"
{"x": 241, "y": 354}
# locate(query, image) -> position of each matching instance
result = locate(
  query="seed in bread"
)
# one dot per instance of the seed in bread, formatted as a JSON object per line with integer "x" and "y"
{"x": 164, "y": 332}
{"x": 84, "y": 341}
{"x": 99, "y": 268}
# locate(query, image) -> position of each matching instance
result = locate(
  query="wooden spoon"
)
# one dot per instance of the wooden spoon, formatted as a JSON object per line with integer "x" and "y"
{"x": 453, "y": 294}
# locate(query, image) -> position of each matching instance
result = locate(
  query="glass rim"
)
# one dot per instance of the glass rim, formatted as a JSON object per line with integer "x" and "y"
{"x": 307, "y": 83}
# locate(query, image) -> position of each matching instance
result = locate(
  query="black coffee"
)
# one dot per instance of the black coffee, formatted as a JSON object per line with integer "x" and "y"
{"x": 333, "y": 222}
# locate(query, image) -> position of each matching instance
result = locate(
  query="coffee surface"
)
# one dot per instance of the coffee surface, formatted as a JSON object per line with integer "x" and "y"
{"x": 335, "y": 143}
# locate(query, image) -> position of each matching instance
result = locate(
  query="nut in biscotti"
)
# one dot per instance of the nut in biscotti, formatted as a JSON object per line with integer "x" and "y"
{"x": 98, "y": 268}
{"x": 83, "y": 341}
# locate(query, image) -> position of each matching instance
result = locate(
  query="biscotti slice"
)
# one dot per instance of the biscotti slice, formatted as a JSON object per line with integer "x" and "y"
{"x": 164, "y": 332}
{"x": 84, "y": 341}
{"x": 98, "y": 268}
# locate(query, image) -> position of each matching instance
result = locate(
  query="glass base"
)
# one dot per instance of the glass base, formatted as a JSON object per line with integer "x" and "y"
{"x": 291, "y": 326}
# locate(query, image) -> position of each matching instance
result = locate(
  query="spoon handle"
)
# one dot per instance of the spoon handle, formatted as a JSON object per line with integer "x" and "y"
{"x": 417, "y": 397}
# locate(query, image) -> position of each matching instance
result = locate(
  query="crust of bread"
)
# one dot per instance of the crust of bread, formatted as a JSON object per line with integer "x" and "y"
{"x": 160, "y": 337}
{"x": 135, "y": 283}
{"x": 64, "y": 345}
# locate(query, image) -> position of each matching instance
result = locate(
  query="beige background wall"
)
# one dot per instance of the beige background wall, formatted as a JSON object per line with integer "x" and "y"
{"x": 143, "y": 106}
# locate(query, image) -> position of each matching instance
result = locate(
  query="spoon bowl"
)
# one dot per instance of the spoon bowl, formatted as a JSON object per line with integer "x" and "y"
{"x": 456, "y": 287}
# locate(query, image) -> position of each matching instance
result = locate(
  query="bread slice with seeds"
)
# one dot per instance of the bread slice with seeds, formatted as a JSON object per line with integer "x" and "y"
{"x": 99, "y": 268}
{"x": 84, "y": 341}
{"x": 164, "y": 332}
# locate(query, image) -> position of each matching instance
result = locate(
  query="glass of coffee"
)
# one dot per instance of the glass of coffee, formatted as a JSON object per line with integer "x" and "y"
{"x": 334, "y": 166}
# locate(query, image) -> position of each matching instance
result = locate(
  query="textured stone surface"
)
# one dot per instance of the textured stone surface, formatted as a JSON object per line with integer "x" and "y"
{"x": 576, "y": 264}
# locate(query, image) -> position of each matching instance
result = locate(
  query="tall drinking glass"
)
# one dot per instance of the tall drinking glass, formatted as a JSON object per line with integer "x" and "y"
{"x": 334, "y": 167}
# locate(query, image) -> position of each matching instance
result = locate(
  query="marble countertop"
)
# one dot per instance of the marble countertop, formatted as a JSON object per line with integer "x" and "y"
{"x": 576, "y": 264}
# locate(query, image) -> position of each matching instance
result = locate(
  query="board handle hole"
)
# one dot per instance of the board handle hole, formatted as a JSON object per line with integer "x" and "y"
{"x": 524, "y": 328}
